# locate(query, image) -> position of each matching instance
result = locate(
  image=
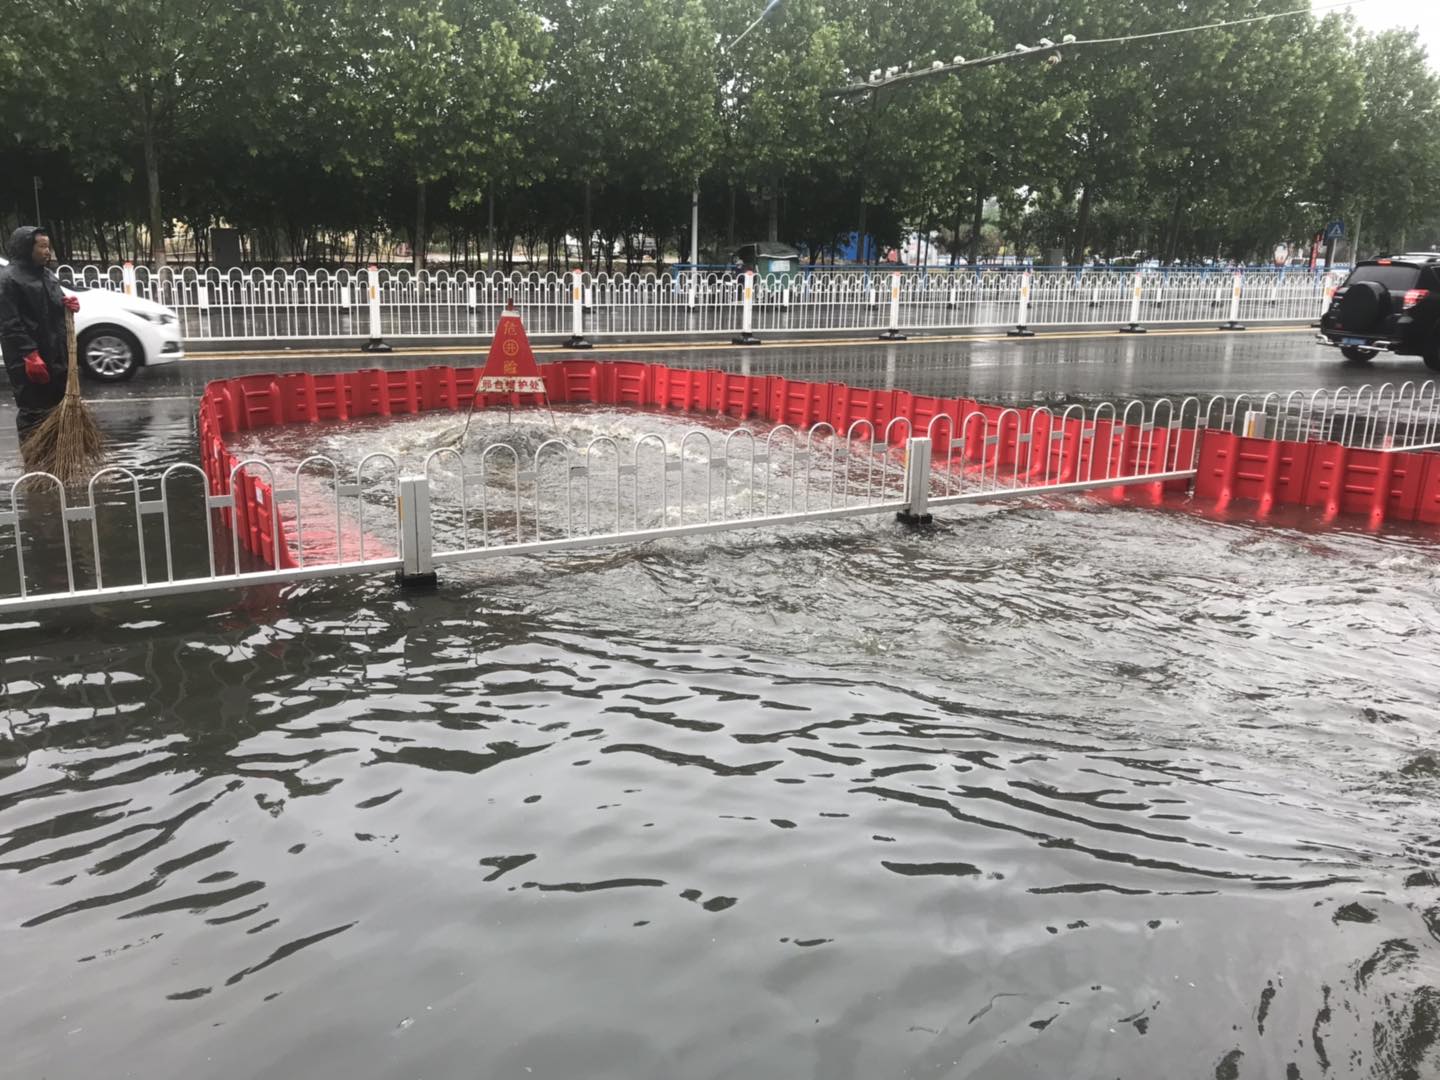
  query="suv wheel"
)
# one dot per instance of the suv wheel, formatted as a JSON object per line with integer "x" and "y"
{"x": 1354, "y": 352}
{"x": 109, "y": 354}
{"x": 1431, "y": 355}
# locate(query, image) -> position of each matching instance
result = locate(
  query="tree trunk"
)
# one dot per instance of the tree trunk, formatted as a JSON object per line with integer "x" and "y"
{"x": 1082, "y": 227}
{"x": 585, "y": 233}
{"x": 730, "y": 222}
{"x": 773, "y": 232}
{"x": 418, "y": 240}
{"x": 955, "y": 241}
{"x": 977, "y": 226}
{"x": 490, "y": 254}
{"x": 1172, "y": 241}
{"x": 152, "y": 183}
{"x": 862, "y": 249}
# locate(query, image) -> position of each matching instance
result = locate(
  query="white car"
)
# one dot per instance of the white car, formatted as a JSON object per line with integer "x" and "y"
{"x": 118, "y": 334}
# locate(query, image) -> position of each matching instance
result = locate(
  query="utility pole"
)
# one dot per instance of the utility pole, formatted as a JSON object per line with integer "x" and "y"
{"x": 38, "y": 185}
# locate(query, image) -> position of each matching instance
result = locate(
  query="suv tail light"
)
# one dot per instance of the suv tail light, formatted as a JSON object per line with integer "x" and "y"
{"x": 1414, "y": 296}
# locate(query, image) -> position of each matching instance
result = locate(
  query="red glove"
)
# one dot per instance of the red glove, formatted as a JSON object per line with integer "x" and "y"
{"x": 72, "y": 303}
{"x": 35, "y": 369}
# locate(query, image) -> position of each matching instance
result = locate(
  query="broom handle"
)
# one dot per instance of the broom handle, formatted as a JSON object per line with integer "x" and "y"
{"x": 72, "y": 377}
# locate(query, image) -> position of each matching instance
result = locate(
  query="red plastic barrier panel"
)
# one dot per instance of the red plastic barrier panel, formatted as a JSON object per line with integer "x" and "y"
{"x": 904, "y": 406}
{"x": 1407, "y": 486}
{"x": 1182, "y": 456}
{"x": 1097, "y": 450}
{"x": 1040, "y": 458}
{"x": 1427, "y": 501}
{"x": 799, "y": 404}
{"x": 369, "y": 393}
{"x": 849, "y": 404}
{"x": 680, "y": 388}
{"x": 332, "y": 397}
{"x": 1213, "y": 472}
{"x": 1364, "y": 481}
{"x": 629, "y": 385}
{"x": 580, "y": 381}
{"x": 741, "y": 396}
{"x": 935, "y": 417}
{"x": 991, "y": 434}
{"x": 1346, "y": 480}
{"x": 439, "y": 389}
{"x": 1325, "y": 483}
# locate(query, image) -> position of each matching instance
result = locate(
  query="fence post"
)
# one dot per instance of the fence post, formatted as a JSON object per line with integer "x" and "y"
{"x": 416, "y": 540}
{"x": 747, "y": 316}
{"x": 893, "y": 333}
{"x": 576, "y": 340}
{"x": 1234, "y": 323}
{"x": 1134, "y": 326}
{"x": 1021, "y": 330}
{"x": 917, "y": 483}
{"x": 372, "y": 282}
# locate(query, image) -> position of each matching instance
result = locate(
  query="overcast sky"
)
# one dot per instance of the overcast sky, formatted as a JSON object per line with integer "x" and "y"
{"x": 1423, "y": 15}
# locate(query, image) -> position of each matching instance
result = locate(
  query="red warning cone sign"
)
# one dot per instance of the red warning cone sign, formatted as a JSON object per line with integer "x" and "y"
{"x": 510, "y": 367}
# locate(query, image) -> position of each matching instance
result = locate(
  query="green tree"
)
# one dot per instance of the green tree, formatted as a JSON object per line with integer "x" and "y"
{"x": 445, "y": 88}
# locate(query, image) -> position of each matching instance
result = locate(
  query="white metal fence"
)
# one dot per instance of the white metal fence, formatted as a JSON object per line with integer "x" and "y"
{"x": 1383, "y": 417}
{"x": 136, "y": 536}
{"x": 261, "y": 304}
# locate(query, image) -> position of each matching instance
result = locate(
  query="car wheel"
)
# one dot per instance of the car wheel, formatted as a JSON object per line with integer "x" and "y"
{"x": 1431, "y": 356}
{"x": 109, "y": 354}
{"x": 1353, "y": 352}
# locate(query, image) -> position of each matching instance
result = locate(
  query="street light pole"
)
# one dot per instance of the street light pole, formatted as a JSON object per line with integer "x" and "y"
{"x": 758, "y": 20}
{"x": 695, "y": 242}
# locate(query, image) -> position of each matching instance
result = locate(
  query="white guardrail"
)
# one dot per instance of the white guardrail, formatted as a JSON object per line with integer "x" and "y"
{"x": 128, "y": 536}
{"x": 131, "y": 536}
{"x": 373, "y": 304}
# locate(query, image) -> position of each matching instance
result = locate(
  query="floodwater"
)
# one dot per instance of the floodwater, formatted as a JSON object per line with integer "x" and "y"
{"x": 551, "y": 473}
{"x": 1061, "y": 788}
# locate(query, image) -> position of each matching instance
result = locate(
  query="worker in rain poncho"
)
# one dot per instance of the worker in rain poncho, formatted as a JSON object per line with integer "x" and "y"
{"x": 32, "y": 327}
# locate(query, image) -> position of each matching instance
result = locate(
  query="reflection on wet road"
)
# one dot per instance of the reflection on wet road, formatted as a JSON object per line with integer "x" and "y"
{"x": 1062, "y": 788}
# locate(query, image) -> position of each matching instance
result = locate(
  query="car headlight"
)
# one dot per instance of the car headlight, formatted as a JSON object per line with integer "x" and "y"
{"x": 162, "y": 318}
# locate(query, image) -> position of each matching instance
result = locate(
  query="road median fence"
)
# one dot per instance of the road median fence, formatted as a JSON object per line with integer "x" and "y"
{"x": 372, "y": 305}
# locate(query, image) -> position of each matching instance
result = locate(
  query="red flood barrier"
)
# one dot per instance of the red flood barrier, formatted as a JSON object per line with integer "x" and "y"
{"x": 1381, "y": 485}
{"x": 1027, "y": 443}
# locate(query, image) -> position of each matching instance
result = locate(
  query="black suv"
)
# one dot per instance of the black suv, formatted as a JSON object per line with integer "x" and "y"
{"x": 1390, "y": 304}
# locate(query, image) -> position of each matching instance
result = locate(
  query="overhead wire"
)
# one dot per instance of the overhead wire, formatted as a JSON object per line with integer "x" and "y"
{"x": 1051, "y": 48}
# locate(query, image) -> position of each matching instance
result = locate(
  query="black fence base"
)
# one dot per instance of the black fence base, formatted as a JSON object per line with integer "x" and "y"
{"x": 375, "y": 345}
{"x": 1133, "y": 328}
{"x": 423, "y": 582}
{"x": 574, "y": 341}
{"x": 1020, "y": 331}
{"x": 892, "y": 335}
{"x": 746, "y": 338}
{"x": 1232, "y": 325}
{"x": 915, "y": 521}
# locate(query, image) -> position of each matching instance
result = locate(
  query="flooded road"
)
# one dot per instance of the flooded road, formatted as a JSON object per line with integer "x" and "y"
{"x": 1061, "y": 788}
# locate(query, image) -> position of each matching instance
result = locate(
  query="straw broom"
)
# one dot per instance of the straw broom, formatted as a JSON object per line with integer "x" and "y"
{"x": 67, "y": 443}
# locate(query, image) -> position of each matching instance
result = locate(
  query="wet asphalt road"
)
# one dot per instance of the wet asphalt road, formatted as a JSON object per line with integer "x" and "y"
{"x": 1061, "y": 365}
